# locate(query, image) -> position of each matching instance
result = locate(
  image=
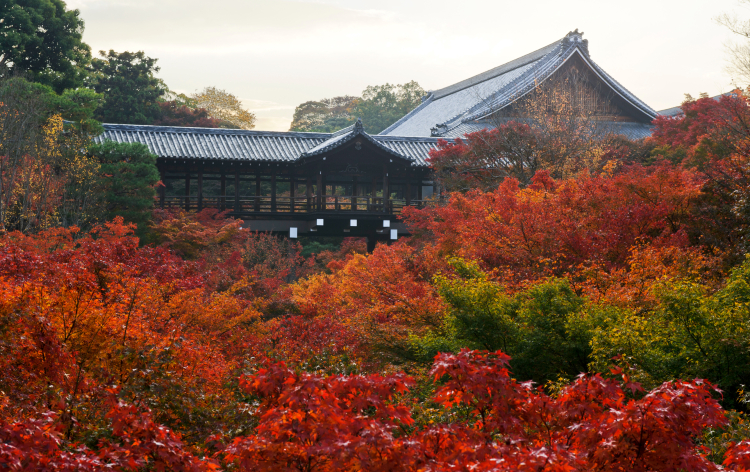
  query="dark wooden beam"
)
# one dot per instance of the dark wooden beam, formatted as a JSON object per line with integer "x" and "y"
{"x": 187, "y": 191}
{"x": 273, "y": 190}
{"x": 320, "y": 191}
{"x": 257, "y": 189}
{"x": 354, "y": 194}
{"x": 291, "y": 190}
{"x": 237, "y": 206}
{"x": 200, "y": 189}
{"x": 223, "y": 191}
{"x": 308, "y": 192}
{"x": 386, "y": 193}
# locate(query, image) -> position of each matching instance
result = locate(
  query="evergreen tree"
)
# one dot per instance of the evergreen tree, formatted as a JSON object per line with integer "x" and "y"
{"x": 42, "y": 39}
{"x": 130, "y": 174}
{"x": 131, "y": 92}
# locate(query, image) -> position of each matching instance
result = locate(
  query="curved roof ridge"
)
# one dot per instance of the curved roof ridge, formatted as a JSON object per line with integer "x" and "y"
{"x": 483, "y": 103}
{"x": 341, "y": 139}
{"x": 521, "y": 85}
{"x": 427, "y": 100}
{"x": 499, "y": 70}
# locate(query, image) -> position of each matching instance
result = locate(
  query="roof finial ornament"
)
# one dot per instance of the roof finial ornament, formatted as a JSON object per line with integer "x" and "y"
{"x": 438, "y": 130}
{"x": 358, "y": 126}
{"x": 575, "y": 39}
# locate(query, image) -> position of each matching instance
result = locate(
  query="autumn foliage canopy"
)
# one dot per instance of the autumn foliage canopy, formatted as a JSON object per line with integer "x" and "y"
{"x": 594, "y": 320}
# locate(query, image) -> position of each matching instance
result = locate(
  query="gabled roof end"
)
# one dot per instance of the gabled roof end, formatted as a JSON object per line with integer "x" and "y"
{"x": 574, "y": 38}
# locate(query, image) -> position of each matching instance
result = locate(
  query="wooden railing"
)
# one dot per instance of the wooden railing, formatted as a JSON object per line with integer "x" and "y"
{"x": 266, "y": 204}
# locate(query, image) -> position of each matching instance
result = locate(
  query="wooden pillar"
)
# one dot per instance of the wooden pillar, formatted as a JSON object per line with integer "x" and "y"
{"x": 273, "y": 190}
{"x": 256, "y": 205}
{"x": 386, "y": 193}
{"x": 373, "y": 193}
{"x": 308, "y": 192}
{"x": 354, "y": 194}
{"x": 291, "y": 190}
{"x": 371, "y": 241}
{"x": 162, "y": 195}
{"x": 323, "y": 192}
{"x": 419, "y": 192}
{"x": 200, "y": 189}
{"x": 408, "y": 190}
{"x": 237, "y": 206}
{"x": 319, "y": 192}
{"x": 223, "y": 191}
{"x": 187, "y": 191}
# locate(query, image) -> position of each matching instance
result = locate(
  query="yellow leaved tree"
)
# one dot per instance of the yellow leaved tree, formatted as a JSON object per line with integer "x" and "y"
{"x": 224, "y": 106}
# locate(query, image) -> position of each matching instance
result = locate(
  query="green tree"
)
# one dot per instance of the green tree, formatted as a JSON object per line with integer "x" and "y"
{"x": 43, "y": 39}
{"x": 130, "y": 178}
{"x": 691, "y": 333}
{"x": 383, "y": 105}
{"x": 46, "y": 178}
{"x": 131, "y": 92}
{"x": 379, "y": 107}
{"x": 546, "y": 329}
{"x": 325, "y": 116}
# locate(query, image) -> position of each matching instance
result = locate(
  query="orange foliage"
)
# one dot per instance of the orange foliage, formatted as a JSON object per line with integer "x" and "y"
{"x": 84, "y": 313}
{"x": 563, "y": 228}
{"x": 384, "y": 296}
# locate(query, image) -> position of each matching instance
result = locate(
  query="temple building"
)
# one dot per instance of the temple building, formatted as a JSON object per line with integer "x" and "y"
{"x": 346, "y": 183}
{"x": 356, "y": 184}
{"x": 480, "y": 101}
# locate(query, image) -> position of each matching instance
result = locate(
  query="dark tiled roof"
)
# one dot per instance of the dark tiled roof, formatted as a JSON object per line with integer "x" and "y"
{"x": 677, "y": 111}
{"x": 233, "y": 144}
{"x": 674, "y": 111}
{"x": 632, "y": 131}
{"x": 495, "y": 89}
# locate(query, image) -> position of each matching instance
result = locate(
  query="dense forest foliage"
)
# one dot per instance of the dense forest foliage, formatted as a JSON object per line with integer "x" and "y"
{"x": 590, "y": 322}
{"x": 566, "y": 304}
{"x": 379, "y": 107}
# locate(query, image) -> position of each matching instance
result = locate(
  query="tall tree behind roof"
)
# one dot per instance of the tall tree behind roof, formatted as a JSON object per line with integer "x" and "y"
{"x": 43, "y": 39}
{"x": 379, "y": 107}
{"x": 383, "y": 105}
{"x": 325, "y": 116}
{"x": 175, "y": 114}
{"x": 222, "y": 105}
{"x": 130, "y": 89}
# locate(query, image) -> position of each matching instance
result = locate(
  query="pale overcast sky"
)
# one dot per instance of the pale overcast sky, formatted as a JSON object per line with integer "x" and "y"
{"x": 276, "y": 54}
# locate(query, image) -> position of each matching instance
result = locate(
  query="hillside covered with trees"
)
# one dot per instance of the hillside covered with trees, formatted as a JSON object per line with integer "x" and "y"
{"x": 571, "y": 303}
{"x": 379, "y": 107}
